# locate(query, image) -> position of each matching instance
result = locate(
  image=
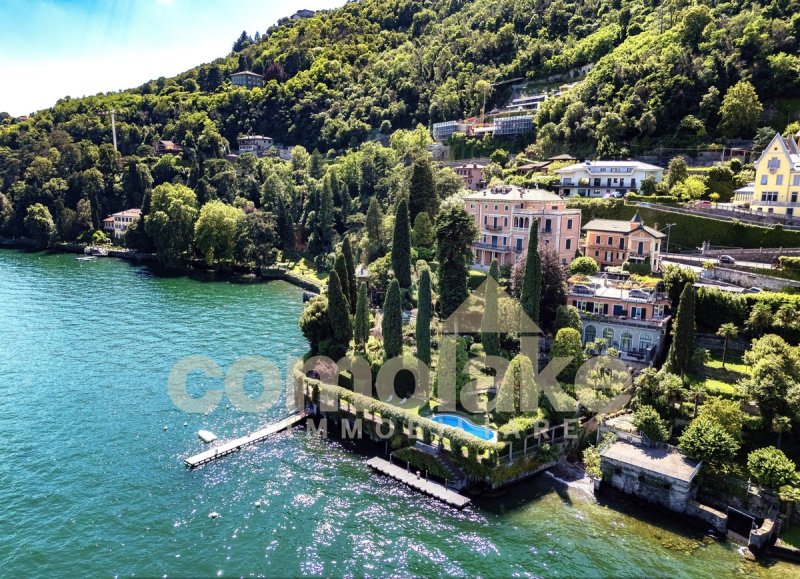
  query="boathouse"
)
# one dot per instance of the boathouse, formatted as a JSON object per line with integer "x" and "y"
{"x": 657, "y": 474}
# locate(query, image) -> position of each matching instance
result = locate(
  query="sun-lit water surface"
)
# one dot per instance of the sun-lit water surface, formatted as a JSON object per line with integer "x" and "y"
{"x": 92, "y": 484}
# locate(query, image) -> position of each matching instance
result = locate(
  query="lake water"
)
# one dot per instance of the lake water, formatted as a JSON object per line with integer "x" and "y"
{"x": 92, "y": 484}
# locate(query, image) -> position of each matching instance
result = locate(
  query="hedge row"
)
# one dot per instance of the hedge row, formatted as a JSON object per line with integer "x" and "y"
{"x": 658, "y": 199}
{"x": 477, "y": 450}
{"x": 790, "y": 263}
{"x": 690, "y": 231}
{"x": 715, "y": 307}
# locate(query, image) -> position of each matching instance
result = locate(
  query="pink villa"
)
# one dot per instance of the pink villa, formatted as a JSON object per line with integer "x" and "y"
{"x": 504, "y": 214}
{"x": 472, "y": 174}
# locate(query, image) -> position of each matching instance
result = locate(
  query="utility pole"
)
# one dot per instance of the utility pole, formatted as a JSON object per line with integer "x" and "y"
{"x": 112, "y": 113}
{"x": 669, "y": 229}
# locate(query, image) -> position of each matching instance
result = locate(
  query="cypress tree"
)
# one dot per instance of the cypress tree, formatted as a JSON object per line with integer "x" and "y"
{"x": 361, "y": 325}
{"x": 285, "y": 226}
{"x": 489, "y": 339}
{"x": 338, "y": 311}
{"x": 423, "y": 329}
{"x": 422, "y": 196}
{"x": 682, "y": 349}
{"x": 455, "y": 230}
{"x": 531, "y": 295}
{"x": 340, "y": 265}
{"x": 325, "y": 220}
{"x": 373, "y": 241}
{"x": 347, "y": 251}
{"x": 392, "y": 323}
{"x": 401, "y": 245}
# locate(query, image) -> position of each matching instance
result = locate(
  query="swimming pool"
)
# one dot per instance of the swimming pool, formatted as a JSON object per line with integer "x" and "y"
{"x": 458, "y": 422}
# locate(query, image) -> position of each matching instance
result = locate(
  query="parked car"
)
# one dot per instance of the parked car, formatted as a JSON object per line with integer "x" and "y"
{"x": 753, "y": 290}
{"x": 726, "y": 259}
{"x": 703, "y": 204}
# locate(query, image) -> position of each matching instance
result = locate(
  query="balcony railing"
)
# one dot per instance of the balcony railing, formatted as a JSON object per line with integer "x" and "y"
{"x": 491, "y": 227}
{"x": 481, "y": 245}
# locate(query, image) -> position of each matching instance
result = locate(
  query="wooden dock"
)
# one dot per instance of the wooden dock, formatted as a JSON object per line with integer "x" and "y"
{"x": 236, "y": 444}
{"x": 428, "y": 487}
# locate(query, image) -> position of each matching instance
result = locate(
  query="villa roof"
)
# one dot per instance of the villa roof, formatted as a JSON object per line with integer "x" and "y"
{"x": 128, "y": 213}
{"x": 619, "y": 226}
{"x": 246, "y": 73}
{"x": 665, "y": 460}
{"x": 610, "y": 164}
{"x": 512, "y": 193}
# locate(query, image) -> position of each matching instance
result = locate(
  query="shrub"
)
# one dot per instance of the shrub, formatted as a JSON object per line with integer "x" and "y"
{"x": 584, "y": 266}
{"x": 792, "y": 263}
{"x": 771, "y": 467}
{"x": 649, "y": 422}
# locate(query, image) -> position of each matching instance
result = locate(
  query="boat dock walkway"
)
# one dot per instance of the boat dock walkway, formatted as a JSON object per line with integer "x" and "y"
{"x": 428, "y": 487}
{"x": 234, "y": 445}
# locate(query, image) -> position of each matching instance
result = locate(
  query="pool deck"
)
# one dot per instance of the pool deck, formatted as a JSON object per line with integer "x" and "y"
{"x": 428, "y": 487}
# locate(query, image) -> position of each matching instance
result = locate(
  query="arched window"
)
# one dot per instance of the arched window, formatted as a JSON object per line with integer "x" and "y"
{"x": 608, "y": 334}
{"x": 645, "y": 342}
{"x": 626, "y": 341}
{"x": 590, "y": 334}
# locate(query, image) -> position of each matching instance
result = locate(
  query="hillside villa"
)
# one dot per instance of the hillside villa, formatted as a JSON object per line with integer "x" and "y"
{"x": 256, "y": 144}
{"x": 472, "y": 174}
{"x": 777, "y": 185}
{"x": 504, "y": 214}
{"x": 117, "y": 224}
{"x": 630, "y": 316}
{"x": 247, "y": 79}
{"x": 612, "y": 242}
{"x": 599, "y": 178}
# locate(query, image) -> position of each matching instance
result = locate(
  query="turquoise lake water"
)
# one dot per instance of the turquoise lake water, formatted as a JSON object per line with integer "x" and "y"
{"x": 92, "y": 485}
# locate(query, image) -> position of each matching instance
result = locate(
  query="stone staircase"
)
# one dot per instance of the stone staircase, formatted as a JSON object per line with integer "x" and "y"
{"x": 457, "y": 478}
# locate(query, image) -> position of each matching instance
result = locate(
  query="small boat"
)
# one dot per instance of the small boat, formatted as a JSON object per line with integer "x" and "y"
{"x": 206, "y": 436}
{"x": 86, "y": 258}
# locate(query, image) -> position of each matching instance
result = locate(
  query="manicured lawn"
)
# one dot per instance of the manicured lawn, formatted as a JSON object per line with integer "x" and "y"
{"x": 304, "y": 268}
{"x": 721, "y": 381}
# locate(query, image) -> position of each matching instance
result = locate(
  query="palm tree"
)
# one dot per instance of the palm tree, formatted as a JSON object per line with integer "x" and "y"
{"x": 781, "y": 424}
{"x": 728, "y": 331}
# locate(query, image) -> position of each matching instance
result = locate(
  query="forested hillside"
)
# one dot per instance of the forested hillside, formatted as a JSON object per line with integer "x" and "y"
{"x": 666, "y": 72}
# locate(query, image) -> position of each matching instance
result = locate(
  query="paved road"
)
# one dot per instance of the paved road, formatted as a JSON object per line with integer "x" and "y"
{"x": 700, "y": 260}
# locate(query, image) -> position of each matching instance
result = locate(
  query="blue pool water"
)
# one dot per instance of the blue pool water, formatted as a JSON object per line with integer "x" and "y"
{"x": 458, "y": 422}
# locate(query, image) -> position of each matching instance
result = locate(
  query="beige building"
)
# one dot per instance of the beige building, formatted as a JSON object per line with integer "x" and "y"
{"x": 117, "y": 224}
{"x": 504, "y": 215}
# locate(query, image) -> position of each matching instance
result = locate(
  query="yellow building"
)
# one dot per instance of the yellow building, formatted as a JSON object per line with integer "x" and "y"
{"x": 777, "y": 185}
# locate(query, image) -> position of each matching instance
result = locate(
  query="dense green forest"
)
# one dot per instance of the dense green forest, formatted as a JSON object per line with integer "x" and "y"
{"x": 666, "y": 72}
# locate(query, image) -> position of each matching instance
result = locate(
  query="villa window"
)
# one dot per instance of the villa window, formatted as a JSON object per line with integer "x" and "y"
{"x": 590, "y": 334}
{"x": 645, "y": 342}
{"x": 568, "y": 244}
{"x": 794, "y": 197}
{"x": 637, "y": 313}
{"x": 506, "y": 207}
{"x": 779, "y": 180}
{"x": 581, "y": 305}
{"x": 658, "y": 311}
{"x": 796, "y": 180}
{"x": 598, "y": 308}
{"x": 773, "y": 164}
{"x": 597, "y": 240}
{"x": 608, "y": 335}
{"x": 569, "y": 224}
{"x": 763, "y": 179}
{"x": 626, "y": 341}
{"x": 611, "y": 241}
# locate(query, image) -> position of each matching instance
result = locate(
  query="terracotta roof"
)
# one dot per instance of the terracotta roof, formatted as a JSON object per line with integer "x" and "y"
{"x": 512, "y": 193}
{"x": 618, "y": 226}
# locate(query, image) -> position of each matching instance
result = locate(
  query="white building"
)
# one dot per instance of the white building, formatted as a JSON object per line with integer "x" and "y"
{"x": 256, "y": 144}
{"x": 599, "y": 178}
{"x": 117, "y": 224}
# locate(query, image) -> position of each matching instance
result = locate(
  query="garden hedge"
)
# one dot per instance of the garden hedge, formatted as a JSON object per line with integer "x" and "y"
{"x": 690, "y": 231}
